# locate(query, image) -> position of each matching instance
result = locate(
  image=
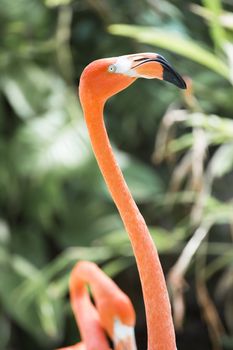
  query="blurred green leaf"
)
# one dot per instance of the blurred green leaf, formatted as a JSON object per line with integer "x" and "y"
{"x": 216, "y": 29}
{"x": 40, "y": 307}
{"x": 53, "y": 3}
{"x": 19, "y": 82}
{"x": 218, "y": 130}
{"x": 222, "y": 161}
{"x": 217, "y": 212}
{"x": 52, "y": 144}
{"x": 50, "y": 313}
{"x": 225, "y": 18}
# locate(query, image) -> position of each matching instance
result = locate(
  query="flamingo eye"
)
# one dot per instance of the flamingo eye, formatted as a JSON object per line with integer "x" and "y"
{"x": 112, "y": 68}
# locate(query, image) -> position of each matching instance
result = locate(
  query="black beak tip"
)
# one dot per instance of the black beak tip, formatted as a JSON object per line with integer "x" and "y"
{"x": 170, "y": 75}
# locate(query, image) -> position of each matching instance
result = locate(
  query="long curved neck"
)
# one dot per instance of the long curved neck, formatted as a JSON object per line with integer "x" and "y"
{"x": 85, "y": 312}
{"x": 158, "y": 311}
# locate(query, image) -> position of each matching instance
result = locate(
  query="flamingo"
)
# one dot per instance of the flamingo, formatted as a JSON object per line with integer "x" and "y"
{"x": 100, "y": 80}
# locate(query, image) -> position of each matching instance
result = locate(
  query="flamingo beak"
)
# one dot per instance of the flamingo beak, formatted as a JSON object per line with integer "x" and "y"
{"x": 156, "y": 66}
{"x": 123, "y": 336}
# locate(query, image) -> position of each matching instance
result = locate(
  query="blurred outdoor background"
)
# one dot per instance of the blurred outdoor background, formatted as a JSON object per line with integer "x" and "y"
{"x": 175, "y": 149}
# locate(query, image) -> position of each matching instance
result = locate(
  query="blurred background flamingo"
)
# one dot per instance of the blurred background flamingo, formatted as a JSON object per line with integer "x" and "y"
{"x": 113, "y": 313}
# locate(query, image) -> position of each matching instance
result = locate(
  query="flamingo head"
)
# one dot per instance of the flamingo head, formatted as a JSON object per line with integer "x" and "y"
{"x": 117, "y": 316}
{"x": 105, "y": 77}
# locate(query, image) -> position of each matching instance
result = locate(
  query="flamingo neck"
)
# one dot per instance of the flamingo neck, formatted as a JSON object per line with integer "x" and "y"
{"x": 112, "y": 309}
{"x": 158, "y": 311}
{"x": 86, "y": 315}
